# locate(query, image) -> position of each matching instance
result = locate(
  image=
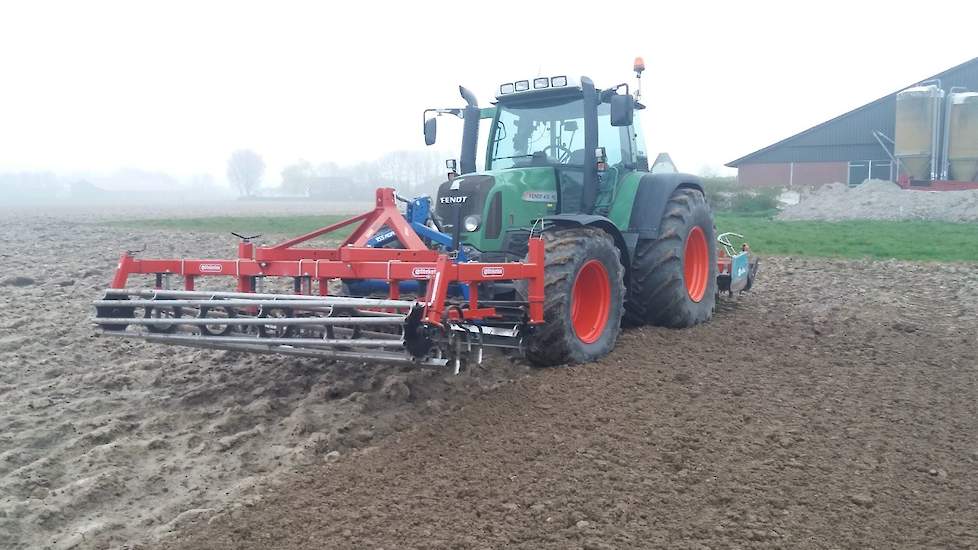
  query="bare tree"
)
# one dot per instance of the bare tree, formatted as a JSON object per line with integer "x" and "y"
{"x": 296, "y": 178}
{"x": 411, "y": 172}
{"x": 245, "y": 168}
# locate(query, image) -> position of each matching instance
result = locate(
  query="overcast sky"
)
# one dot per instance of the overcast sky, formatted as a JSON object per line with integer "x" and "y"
{"x": 176, "y": 86}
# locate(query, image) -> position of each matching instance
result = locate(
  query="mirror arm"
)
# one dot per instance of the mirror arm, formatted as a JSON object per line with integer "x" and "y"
{"x": 456, "y": 112}
{"x": 606, "y": 94}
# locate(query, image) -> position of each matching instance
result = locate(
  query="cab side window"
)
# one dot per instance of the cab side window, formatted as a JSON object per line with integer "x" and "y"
{"x": 638, "y": 141}
{"x": 617, "y": 142}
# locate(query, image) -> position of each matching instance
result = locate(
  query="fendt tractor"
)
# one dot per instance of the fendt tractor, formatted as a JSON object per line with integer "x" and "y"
{"x": 562, "y": 238}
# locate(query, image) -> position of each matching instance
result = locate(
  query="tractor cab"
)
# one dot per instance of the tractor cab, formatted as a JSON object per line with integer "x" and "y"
{"x": 556, "y": 146}
{"x": 551, "y": 124}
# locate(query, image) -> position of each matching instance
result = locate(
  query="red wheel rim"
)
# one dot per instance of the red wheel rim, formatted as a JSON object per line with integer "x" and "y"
{"x": 590, "y": 301}
{"x": 696, "y": 264}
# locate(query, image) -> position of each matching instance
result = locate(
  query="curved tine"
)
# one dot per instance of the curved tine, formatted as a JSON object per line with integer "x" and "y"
{"x": 724, "y": 239}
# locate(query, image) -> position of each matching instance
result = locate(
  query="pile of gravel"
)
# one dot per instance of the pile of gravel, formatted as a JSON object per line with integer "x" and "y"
{"x": 882, "y": 200}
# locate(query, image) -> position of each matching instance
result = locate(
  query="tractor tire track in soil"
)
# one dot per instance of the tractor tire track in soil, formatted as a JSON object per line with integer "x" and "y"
{"x": 836, "y": 407}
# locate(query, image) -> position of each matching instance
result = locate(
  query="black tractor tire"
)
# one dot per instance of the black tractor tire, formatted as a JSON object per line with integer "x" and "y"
{"x": 217, "y": 329}
{"x": 580, "y": 261}
{"x": 658, "y": 291}
{"x": 276, "y": 331}
{"x": 115, "y": 312}
{"x": 163, "y": 313}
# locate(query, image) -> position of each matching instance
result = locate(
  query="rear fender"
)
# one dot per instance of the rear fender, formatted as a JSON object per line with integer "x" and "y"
{"x": 651, "y": 197}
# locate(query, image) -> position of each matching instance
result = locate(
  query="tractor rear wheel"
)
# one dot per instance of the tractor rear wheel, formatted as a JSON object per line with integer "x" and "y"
{"x": 583, "y": 298}
{"x": 674, "y": 277}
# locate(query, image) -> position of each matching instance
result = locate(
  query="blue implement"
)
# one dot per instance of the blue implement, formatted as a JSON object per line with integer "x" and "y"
{"x": 418, "y": 214}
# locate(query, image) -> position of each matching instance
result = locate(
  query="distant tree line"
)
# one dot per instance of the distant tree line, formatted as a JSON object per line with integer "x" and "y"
{"x": 410, "y": 172}
{"x": 31, "y": 185}
{"x": 128, "y": 182}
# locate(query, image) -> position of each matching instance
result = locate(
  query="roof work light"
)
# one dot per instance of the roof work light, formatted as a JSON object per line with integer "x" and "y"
{"x": 539, "y": 83}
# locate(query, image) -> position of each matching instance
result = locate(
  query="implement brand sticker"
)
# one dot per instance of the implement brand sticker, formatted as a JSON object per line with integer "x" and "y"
{"x": 492, "y": 272}
{"x": 210, "y": 268}
{"x": 423, "y": 272}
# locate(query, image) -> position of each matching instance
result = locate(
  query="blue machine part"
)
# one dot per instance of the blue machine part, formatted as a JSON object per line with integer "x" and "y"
{"x": 417, "y": 214}
{"x": 739, "y": 270}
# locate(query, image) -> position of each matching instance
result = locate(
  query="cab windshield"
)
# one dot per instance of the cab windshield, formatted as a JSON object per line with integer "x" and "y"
{"x": 551, "y": 134}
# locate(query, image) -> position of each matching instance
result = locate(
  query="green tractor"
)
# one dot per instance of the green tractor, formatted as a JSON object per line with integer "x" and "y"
{"x": 565, "y": 236}
{"x": 567, "y": 161}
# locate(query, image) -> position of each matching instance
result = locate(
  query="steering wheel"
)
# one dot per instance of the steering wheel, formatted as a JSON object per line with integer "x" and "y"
{"x": 563, "y": 153}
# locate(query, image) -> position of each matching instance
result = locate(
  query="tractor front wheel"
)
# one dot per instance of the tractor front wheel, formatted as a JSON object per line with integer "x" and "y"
{"x": 583, "y": 298}
{"x": 674, "y": 277}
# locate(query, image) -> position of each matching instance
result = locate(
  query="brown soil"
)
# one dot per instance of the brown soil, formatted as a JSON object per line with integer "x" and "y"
{"x": 837, "y": 407}
{"x": 107, "y": 444}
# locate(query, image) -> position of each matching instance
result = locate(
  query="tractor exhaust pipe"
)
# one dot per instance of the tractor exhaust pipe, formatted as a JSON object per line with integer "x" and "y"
{"x": 470, "y": 131}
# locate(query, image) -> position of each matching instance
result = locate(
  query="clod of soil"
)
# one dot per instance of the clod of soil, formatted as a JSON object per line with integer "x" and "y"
{"x": 18, "y": 280}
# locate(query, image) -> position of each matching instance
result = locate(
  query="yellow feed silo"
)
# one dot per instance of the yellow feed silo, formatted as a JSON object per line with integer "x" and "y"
{"x": 917, "y": 140}
{"x": 962, "y": 150}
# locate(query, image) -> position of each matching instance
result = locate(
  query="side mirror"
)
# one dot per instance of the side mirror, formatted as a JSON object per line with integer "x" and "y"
{"x": 430, "y": 130}
{"x": 622, "y": 110}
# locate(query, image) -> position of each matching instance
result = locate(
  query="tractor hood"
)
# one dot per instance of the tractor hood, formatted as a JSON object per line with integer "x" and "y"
{"x": 461, "y": 197}
{"x": 522, "y": 195}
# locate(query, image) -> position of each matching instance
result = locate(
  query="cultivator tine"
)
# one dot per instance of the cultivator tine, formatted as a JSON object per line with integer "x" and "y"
{"x": 292, "y": 342}
{"x": 442, "y": 328}
{"x": 366, "y": 334}
{"x": 274, "y": 348}
{"x": 157, "y": 296}
{"x": 252, "y": 321}
{"x": 327, "y": 327}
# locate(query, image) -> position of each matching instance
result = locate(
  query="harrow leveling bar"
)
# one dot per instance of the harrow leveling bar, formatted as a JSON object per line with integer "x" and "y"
{"x": 430, "y": 330}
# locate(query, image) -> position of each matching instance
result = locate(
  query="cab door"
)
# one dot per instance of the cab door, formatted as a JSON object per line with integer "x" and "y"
{"x": 621, "y": 154}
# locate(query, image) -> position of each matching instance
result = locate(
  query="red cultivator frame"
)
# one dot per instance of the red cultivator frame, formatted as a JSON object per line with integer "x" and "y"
{"x": 433, "y": 329}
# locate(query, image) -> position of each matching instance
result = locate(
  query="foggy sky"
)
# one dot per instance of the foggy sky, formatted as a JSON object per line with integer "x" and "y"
{"x": 176, "y": 86}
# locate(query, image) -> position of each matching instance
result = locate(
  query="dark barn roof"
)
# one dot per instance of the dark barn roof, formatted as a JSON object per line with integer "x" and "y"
{"x": 850, "y": 136}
